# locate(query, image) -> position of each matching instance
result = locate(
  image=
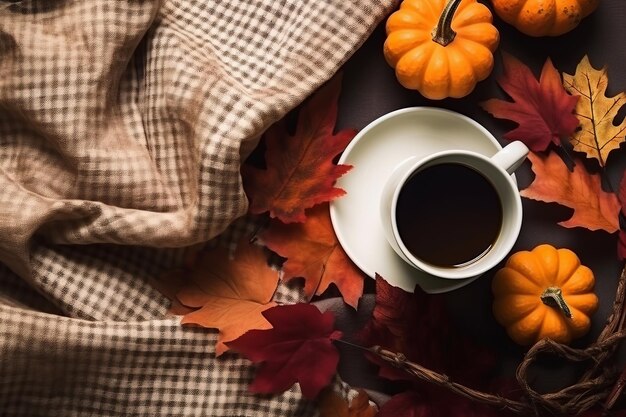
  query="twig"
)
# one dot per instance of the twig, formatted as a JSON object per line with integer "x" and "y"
{"x": 590, "y": 390}
{"x": 399, "y": 361}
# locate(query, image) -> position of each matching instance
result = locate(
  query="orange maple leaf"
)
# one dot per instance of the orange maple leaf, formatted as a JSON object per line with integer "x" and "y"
{"x": 314, "y": 253}
{"x": 594, "y": 208}
{"x": 300, "y": 170}
{"x": 230, "y": 294}
{"x": 332, "y": 404}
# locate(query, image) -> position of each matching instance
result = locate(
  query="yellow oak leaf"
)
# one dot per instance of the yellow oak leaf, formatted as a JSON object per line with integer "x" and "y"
{"x": 229, "y": 294}
{"x": 594, "y": 208}
{"x": 598, "y": 135}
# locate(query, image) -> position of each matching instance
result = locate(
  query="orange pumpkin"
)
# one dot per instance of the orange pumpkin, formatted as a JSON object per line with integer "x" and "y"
{"x": 544, "y": 17}
{"x": 441, "y": 48}
{"x": 544, "y": 293}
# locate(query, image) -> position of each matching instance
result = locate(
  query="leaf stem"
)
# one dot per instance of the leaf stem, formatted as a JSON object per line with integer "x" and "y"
{"x": 261, "y": 223}
{"x": 354, "y": 345}
{"x": 593, "y": 123}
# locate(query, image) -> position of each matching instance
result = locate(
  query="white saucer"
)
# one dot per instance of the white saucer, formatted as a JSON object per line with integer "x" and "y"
{"x": 373, "y": 153}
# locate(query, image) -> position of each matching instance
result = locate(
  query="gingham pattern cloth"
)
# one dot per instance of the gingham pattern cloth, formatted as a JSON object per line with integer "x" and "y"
{"x": 123, "y": 124}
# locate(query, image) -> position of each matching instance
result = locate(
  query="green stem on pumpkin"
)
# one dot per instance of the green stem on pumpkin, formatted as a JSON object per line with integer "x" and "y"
{"x": 553, "y": 297}
{"x": 443, "y": 33}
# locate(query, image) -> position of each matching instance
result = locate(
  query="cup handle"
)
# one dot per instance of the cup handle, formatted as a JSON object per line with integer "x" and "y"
{"x": 511, "y": 156}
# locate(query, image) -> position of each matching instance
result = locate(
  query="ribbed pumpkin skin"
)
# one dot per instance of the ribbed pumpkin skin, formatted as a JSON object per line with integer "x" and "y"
{"x": 517, "y": 290}
{"x": 438, "y": 71}
{"x": 544, "y": 17}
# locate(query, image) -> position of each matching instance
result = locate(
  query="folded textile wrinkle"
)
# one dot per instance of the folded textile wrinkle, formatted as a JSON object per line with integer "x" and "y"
{"x": 123, "y": 124}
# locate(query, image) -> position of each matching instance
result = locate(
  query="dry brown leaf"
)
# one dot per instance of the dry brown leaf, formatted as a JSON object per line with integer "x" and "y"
{"x": 598, "y": 135}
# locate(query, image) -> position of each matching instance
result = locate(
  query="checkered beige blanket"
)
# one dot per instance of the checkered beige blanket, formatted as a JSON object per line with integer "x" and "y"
{"x": 123, "y": 124}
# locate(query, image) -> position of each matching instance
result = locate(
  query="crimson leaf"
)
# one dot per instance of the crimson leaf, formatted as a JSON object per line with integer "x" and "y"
{"x": 542, "y": 108}
{"x": 298, "y": 348}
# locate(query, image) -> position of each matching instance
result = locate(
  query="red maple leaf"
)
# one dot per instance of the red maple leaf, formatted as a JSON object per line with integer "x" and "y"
{"x": 298, "y": 348}
{"x": 314, "y": 253}
{"x": 300, "y": 170}
{"x": 542, "y": 109}
{"x": 414, "y": 403}
{"x": 417, "y": 325}
{"x": 621, "y": 245}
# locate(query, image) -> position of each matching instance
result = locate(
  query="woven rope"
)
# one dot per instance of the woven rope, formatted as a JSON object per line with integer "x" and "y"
{"x": 600, "y": 385}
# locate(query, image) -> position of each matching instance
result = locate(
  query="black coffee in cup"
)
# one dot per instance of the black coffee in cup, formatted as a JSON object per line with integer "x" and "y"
{"x": 448, "y": 215}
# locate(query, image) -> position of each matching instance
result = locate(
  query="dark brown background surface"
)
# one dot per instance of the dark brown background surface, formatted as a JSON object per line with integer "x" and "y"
{"x": 371, "y": 90}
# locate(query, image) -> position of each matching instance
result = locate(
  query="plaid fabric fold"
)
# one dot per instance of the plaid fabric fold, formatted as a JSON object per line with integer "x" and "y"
{"x": 123, "y": 124}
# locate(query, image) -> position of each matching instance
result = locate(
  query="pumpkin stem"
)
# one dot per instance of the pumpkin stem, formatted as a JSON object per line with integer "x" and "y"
{"x": 553, "y": 297}
{"x": 443, "y": 33}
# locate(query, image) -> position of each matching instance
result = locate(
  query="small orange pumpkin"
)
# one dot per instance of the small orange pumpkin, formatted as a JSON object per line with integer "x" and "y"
{"x": 544, "y": 293}
{"x": 544, "y": 17}
{"x": 441, "y": 48}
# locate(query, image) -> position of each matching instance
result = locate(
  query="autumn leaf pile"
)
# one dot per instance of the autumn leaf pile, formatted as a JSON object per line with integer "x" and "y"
{"x": 289, "y": 192}
{"x": 233, "y": 292}
{"x": 569, "y": 126}
{"x": 295, "y": 188}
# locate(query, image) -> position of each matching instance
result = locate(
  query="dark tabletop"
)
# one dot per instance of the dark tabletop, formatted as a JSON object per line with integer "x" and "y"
{"x": 371, "y": 90}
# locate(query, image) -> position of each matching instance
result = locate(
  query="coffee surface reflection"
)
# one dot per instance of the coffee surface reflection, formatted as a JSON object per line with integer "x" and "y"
{"x": 448, "y": 215}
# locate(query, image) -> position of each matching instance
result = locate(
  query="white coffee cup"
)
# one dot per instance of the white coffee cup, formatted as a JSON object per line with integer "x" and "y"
{"x": 497, "y": 170}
